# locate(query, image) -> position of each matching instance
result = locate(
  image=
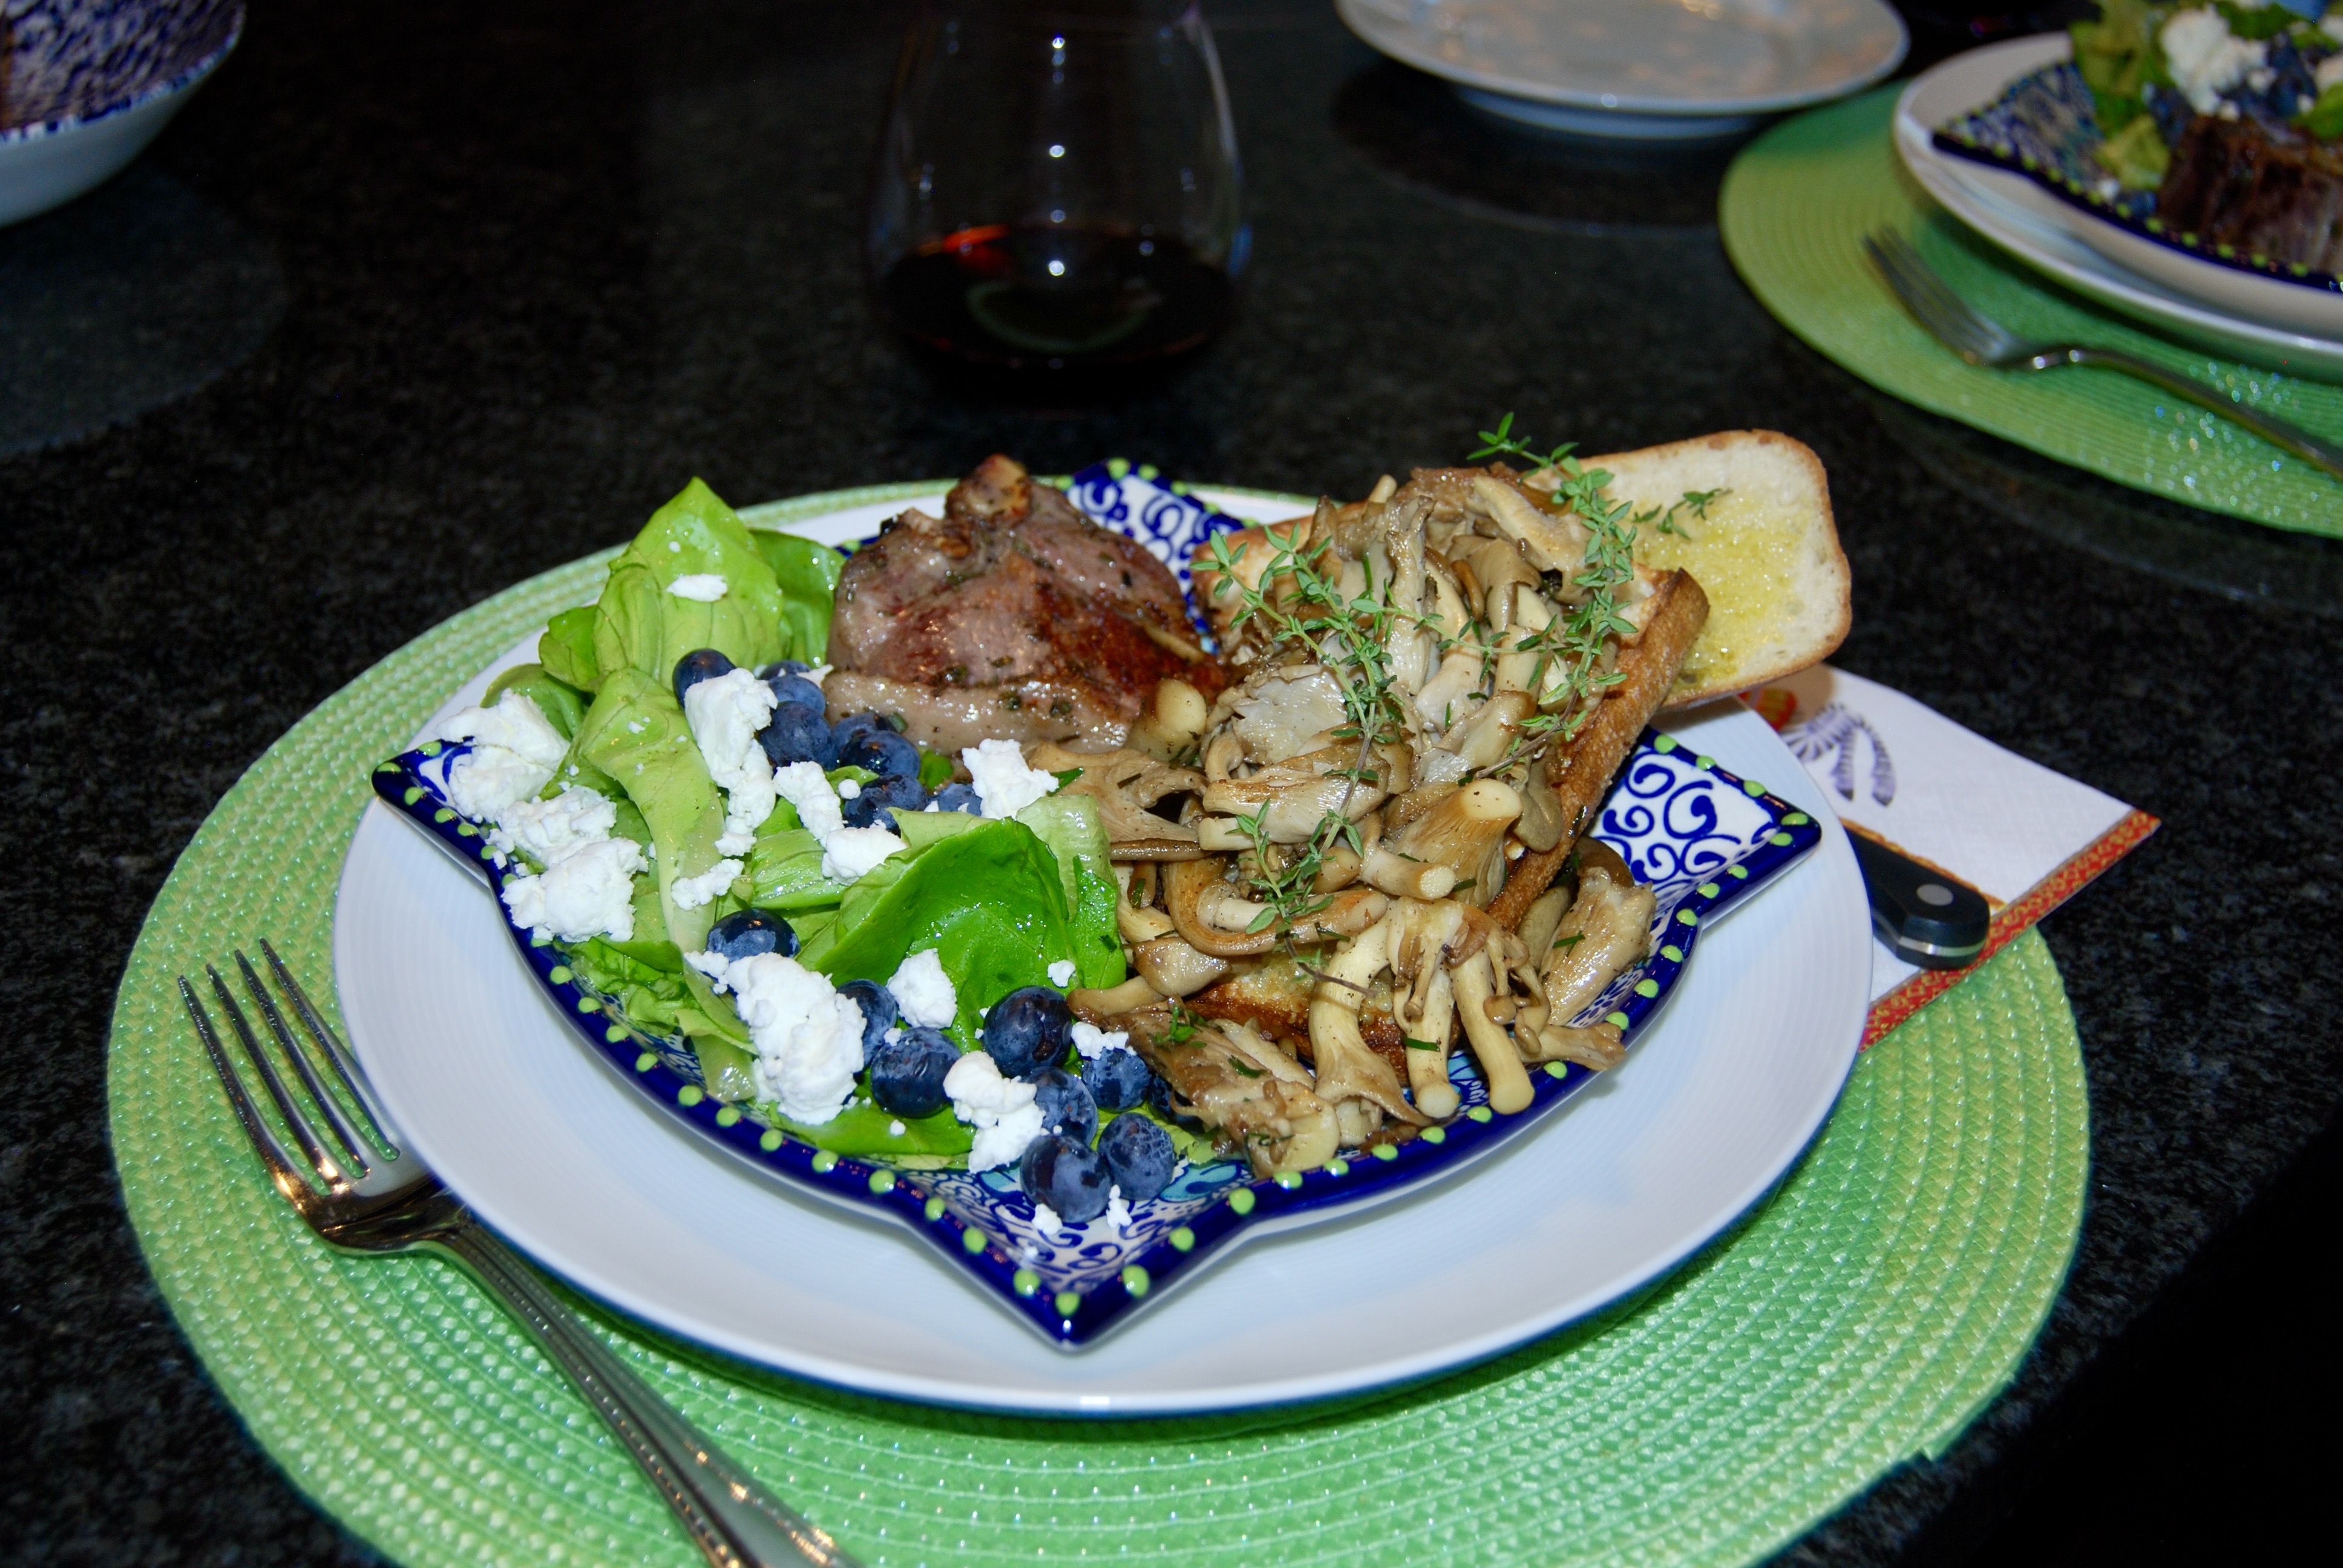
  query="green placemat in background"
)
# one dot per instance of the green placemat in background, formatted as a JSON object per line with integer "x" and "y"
{"x": 1860, "y": 1316}
{"x": 1795, "y": 207}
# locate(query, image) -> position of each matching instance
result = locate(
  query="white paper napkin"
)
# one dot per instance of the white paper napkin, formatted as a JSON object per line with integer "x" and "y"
{"x": 1904, "y": 774}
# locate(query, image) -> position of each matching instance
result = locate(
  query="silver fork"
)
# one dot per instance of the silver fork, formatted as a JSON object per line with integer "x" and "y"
{"x": 368, "y": 1197}
{"x": 1981, "y": 340}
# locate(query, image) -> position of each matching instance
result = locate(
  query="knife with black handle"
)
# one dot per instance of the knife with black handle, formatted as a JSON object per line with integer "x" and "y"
{"x": 1923, "y": 916}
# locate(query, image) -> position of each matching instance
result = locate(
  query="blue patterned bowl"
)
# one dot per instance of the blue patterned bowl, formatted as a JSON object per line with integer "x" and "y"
{"x": 1703, "y": 838}
{"x": 87, "y": 84}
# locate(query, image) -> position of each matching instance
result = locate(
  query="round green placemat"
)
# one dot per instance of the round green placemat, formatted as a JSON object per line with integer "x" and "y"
{"x": 1861, "y": 1315}
{"x": 1796, "y": 204}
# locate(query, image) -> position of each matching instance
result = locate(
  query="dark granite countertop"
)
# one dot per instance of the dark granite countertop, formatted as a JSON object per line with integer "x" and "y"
{"x": 415, "y": 301}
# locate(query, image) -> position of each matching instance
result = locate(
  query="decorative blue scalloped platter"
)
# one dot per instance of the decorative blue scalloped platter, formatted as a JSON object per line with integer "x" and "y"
{"x": 1703, "y": 838}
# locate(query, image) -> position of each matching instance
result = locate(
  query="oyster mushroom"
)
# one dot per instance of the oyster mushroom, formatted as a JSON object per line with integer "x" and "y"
{"x": 1464, "y": 831}
{"x": 1126, "y": 783}
{"x": 1553, "y": 543}
{"x": 1347, "y": 1070}
{"x": 1607, "y": 929}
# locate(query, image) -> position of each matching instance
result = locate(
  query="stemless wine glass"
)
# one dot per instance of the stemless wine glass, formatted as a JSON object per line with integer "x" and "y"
{"x": 1057, "y": 194}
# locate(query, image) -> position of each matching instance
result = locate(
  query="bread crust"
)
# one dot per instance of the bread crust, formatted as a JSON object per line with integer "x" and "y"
{"x": 1594, "y": 755}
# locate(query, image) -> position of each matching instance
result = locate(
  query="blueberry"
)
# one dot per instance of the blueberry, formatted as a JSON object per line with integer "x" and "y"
{"x": 879, "y": 1012}
{"x": 692, "y": 668}
{"x": 881, "y": 750}
{"x": 1029, "y": 1029}
{"x": 906, "y": 1074}
{"x": 1138, "y": 1154}
{"x": 1066, "y": 1107}
{"x": 880, "y": 795}
{"x": 745, "y": 933}
{"x": 796, "y": 734}
{"x": 858, "y": 724}
{"x": 1068, "y": 1176}
{"x": 960, "y": 797}
{"x": 796, "y": 688}
{"x": 1117, "y": 1079}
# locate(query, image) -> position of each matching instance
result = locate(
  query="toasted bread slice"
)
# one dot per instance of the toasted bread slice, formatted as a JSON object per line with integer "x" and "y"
{"x": 1766, "y": 554}
{"x": 1581, "y": 770}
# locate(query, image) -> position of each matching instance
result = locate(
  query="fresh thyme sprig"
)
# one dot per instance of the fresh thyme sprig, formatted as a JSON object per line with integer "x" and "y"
{"x": 1696, "y": 502}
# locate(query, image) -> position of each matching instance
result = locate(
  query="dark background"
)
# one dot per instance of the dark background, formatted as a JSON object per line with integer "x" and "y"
{"x": 415, "y": 301}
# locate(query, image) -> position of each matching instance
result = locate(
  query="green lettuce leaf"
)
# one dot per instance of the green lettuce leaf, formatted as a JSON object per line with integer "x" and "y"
{"x": 988, "y": 898}
{"x": 645, "y": 627}
{"x": 1071, "y": 825}
{"x": 567, "y": 648}
{"x": 808, "y": 574}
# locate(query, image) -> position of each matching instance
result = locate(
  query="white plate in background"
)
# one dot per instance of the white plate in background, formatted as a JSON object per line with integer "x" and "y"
{"x": 1639, "y": 69}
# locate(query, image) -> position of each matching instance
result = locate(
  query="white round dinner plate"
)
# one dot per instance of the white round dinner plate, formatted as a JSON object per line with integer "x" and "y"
{"x": 1640, "y": 69}
{"x": 493, "y": 1090}
{"x": 2286, "y": 325}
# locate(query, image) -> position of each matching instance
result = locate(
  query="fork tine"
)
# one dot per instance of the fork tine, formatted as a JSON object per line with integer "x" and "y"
{"x": 321, "y": 1161}
{"x": 264, "y": 1142}
{"x": 337, "y": 1055}
{"x": 351, "y": 1139}
{"x": 1943, "y": 311}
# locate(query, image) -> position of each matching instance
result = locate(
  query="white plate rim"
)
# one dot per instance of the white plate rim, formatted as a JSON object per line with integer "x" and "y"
{"x": 1388, "y": 36}
{"x": 1064, "y": 1389}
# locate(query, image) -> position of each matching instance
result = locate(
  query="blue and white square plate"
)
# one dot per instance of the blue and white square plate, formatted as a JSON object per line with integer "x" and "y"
{"x": 609, "y": 1166}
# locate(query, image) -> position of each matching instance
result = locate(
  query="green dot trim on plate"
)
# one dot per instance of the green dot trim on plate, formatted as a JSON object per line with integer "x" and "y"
{"x": 1861, "y": 1317}
{"x": 1795, "y": 206}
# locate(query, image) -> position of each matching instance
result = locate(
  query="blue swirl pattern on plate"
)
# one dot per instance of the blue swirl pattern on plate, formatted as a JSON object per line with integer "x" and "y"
{"x": 1703, "y": 838}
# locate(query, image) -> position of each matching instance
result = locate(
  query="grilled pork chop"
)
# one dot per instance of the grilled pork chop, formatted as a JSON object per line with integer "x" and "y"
{"x": 1012, "y": 616}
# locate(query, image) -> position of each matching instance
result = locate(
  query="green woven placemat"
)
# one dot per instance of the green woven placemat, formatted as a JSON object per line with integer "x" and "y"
{"x": 1863, "y": 1314}
{"x": 1796, "y": 204}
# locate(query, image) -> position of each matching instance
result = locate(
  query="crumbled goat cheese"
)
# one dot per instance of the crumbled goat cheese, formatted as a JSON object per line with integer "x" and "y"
{"x": 1045, "y": 1219}
{"x": 803, "y": 785}
{"x": 1118, "y": 1212}
{"x": 674, "y": 549}
{"x": 1089, "y": 1038}
{"x": 692, "y": 892}
{"x": 1004, "y": 784}
{"x": 546, "y": 831}
{"x": 514, "y": 753}
{"x": 712, "y": 965}
{"x": 848, "y": 790}
{"x": 705, "y": 587}
{"x": 588, "y": 892}
{"x": 1001, "y": 1110}
{"x": 818, "y": 674}
{"x": 809, "y": 1039}
{"x": 2329, "y": 71}
{"x": 1062, "y": 973}
{"x": 2204, "y": 58}
{"x": 724, "y": 714}
{"x": 923, "y": 992}
{"x": 894, "y": 1130}
{"x": 850, "y": 852}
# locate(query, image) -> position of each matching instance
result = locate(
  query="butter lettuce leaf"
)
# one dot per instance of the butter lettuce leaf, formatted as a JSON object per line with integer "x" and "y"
{"x": 988, "y": 899}
{"x": 808, "y": 575}
{"x": 645, "y": 627}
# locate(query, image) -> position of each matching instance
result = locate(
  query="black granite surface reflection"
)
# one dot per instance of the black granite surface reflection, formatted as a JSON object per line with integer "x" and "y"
{"x": 539, "y": 263}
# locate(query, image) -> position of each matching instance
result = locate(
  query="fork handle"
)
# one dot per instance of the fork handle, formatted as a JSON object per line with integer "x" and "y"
{"x": 733, "y": 1521}
{"x": 2325, "y": 455}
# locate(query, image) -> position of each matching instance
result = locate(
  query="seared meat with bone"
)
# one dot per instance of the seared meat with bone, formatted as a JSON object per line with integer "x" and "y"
{"x": 1013, "y": 616}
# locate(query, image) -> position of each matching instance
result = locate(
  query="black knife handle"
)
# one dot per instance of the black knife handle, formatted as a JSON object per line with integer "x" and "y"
{"x": 1927, "y": 918}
